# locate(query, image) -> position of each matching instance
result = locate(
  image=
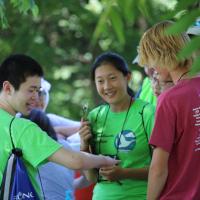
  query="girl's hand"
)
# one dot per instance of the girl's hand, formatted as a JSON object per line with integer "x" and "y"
{"x": 112, "y": 173}
{"x": 85, "y": 135}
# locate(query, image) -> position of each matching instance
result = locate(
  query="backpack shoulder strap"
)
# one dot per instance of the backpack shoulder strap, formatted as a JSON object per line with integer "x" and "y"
{"x": 13, "y": 146}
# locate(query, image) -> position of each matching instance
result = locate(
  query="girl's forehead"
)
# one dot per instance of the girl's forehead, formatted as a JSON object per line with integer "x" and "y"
{"x": 106, "y": 68}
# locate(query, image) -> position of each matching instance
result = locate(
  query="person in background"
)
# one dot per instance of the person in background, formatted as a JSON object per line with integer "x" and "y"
{"x": 119, "y": 128}
{"x": 55, "y": 180}
{"x": 160, "y": 86}
{"x": 173, "y": 172}
{"x": 20, "y": 81}
{"x": 194, "y": 29}
{"x": 66, "y": 129}
{"x": 146, "y": 92}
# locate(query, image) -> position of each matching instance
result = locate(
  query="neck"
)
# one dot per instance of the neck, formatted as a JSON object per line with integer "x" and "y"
{"x": 179, "y": 74}
{"x": 5, "y": 106}
{"x": 121, "y": 106}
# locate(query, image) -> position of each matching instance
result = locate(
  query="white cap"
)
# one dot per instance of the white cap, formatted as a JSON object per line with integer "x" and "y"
{"x": 46, "y": 86}
{"x": 136, "y": 60}
{"x": 195, "y": 29}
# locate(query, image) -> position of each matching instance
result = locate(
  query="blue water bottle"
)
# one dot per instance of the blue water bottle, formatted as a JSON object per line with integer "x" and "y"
{"x": 68, "y": 195}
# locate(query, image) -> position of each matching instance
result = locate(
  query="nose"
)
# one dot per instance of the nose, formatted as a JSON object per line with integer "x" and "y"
{"x": 107, "y": 84}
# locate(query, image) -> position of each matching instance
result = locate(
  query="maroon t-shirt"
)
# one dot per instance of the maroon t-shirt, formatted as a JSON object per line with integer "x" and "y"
{"x": 177, "y": 131}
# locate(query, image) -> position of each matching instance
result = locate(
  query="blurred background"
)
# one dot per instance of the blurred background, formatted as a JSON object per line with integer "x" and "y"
{"x": 66, "y": 35}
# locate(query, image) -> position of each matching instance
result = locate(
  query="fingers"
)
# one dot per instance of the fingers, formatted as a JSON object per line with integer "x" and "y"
{"x": 85, "y": 131}
{"x": 106, "y": 168}
{"x": 85, "y": 135}
{"x": 110, "y": 161}
{"x": 111, "y": 173}
{"x": 108, "y": 173}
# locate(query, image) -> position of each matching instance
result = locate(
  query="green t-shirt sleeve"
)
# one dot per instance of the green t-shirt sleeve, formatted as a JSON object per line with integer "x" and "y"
{"x": 36, "y": 145}
{"x": 148, "y": 116}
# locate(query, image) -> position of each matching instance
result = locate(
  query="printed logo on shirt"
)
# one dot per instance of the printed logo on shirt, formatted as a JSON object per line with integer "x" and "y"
{"x": 196, "y": 115}
{"x": 21, "y": 196}
{"x": 125, "y": 141}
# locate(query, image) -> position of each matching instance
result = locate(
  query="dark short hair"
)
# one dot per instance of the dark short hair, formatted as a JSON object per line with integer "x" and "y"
{"x": 116, "y": 61}
{"x": 16, "y": 68}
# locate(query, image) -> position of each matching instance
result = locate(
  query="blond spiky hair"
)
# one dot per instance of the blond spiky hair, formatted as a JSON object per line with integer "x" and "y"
{"x": 160, "y": 48}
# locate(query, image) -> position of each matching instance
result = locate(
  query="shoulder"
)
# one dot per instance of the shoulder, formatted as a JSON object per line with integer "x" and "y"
{"x": 99, "y": 109}
{"x": 22, "y": 123}
{"x": 25, "y": 129}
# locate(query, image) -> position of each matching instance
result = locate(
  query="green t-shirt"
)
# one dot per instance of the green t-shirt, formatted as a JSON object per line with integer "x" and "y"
{"x": 36, "y": 145}
{"x": 131, "y": 142}
{"x": 147, "y": 92}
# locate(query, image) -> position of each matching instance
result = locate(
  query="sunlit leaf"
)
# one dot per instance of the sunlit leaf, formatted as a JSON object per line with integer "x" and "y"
{"x": 194, "y": 45}
{"x": 180, "y": 9}
{"x": 35, "y": 10}
{"x": 143, "y": 7}
{"x": 101, "y": 23}
{"x": 129, "y": 10}
{"x": 183, "y": 4}
{"x": 182, "y": 24}
{"x": 196, "y": 66}
{"x": 4, "y": 22}
{"x": 117, "y": 24}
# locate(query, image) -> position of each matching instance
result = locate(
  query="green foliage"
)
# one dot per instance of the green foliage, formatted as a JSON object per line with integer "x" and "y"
{"x": 23, "y": 7}
{"x": 190, "y": 48}
{"x": 117, "y": 24}
{"x": 66, "y": 36}
{"x": 184, "y": 22}
{"x": 195, "y": 67}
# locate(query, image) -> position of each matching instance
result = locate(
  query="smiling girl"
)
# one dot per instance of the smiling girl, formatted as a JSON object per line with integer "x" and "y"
{"x": 119, "y": 128}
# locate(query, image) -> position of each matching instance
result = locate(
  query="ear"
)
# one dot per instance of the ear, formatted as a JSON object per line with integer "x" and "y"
{"x": 7, "y": 87}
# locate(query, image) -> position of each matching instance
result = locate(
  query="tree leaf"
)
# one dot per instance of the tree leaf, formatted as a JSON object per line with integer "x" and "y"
{"x": 196, "y": 66}
{"x": 190, "y": 48}
{"x": 129, "y": 10}
{"x": 182, "y": 24}
{"x": 101, "y": 22}
{"x": 184, "y": 4}
{"x": 35, "y": 10}
{"x": 117, "y": 24}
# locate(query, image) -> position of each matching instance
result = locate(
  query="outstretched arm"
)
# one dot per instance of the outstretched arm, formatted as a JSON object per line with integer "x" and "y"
{"x": 85, "y": 136}
{"x": 80, "y": 160}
